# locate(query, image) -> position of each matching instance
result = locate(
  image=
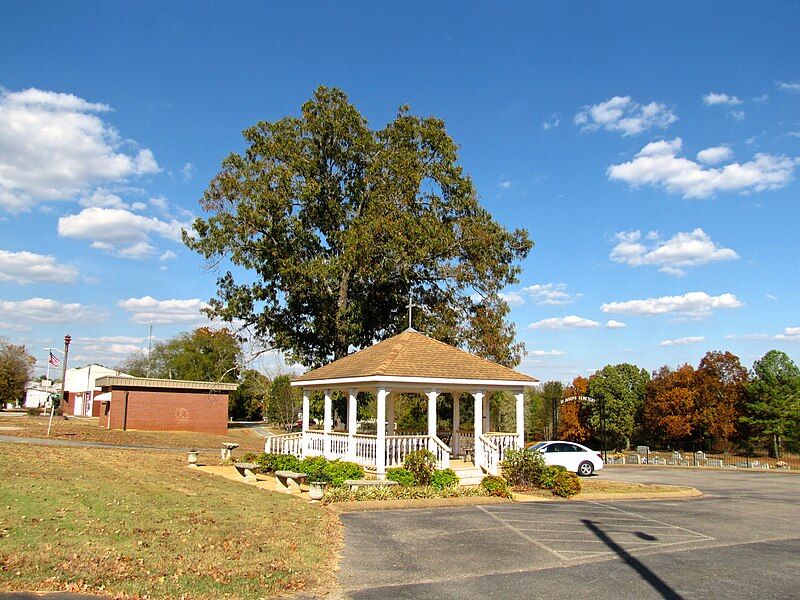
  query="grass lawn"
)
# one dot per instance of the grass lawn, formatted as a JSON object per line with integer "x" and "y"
{"x": 88, "y": 429}
{"x": 136, "y": 523}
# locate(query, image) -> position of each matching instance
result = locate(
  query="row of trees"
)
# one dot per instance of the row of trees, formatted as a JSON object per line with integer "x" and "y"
{"x": 207, "y": 354}
{"x": 717, "y": 405}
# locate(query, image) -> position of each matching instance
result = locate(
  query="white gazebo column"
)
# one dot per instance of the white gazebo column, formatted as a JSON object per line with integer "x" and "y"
{"x": 487, "y": 421}
{"x": 455, "y": 442}
{"x": 306, "y": 421}
{"x": 478, "y": 396}
{"x": 380, "y": 442}
{"x": 520, "y": 398}
{"x": 352, "y": 423}
{"x": 432, "y": 396}
{"x": 327, "y": 425}
{"x": 390, "y": 413}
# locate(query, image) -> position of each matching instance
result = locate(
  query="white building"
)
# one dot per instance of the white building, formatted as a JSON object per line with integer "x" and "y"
{"x": 81, "y": 389}
{"x": 38, "y": 393}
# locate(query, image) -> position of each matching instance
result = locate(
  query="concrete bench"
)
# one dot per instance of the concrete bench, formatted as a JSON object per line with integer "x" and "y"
{"x": 354, "y": 484}
{"x": 247, "y": 470}
{"x": 288, "y": 482}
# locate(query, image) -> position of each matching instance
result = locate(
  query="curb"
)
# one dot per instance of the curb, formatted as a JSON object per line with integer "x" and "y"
{"x": 677, "y": 494}
{"x": 420, "y": 503}
{"x": 702, "y": 468}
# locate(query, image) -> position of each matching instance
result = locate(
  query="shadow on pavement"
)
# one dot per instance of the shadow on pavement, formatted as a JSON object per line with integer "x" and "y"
{"x": 654, "y": 580}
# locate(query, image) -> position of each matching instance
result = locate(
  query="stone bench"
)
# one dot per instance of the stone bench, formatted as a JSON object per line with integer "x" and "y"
{"x": 288, "y": 482}
{"x": 354, "y": 484}
{"x": 247, "y": 470}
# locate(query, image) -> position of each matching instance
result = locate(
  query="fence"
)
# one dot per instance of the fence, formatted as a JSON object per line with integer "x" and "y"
{"x": 644, "y": 456}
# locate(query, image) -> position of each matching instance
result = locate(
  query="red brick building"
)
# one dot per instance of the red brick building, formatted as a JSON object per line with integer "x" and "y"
{"x": 164, "y": 404}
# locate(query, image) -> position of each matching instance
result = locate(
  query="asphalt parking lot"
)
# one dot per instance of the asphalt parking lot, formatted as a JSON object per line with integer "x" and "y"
{"x": 741, "y": 539}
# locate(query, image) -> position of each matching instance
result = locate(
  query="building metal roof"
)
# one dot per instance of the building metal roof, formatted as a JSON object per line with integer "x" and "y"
{"x": 165, "y": 384}
{"x": 414, "y": 355}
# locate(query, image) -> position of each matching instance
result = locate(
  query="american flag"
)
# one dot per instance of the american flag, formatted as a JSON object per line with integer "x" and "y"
{"x": 53, "y": 360}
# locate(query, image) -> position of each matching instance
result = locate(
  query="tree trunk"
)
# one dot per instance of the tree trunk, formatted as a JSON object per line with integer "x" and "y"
{"x": 341, "y": 347}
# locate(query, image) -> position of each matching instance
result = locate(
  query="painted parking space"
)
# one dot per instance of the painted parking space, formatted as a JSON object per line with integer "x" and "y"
{"x": 574, "y": 532}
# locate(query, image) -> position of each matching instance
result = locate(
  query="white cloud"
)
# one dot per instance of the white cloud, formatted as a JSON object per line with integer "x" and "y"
{"x": 118, "y": 349}
{"x": 612, "y": 324}
{"x": 14, "y": 326}
{"x": 549, "y": 294}
{"x": 27, "y": 267}
{"x": 737, "y": 115}
{"x": 110, "y": 339}
{"x": 546, "y": 353}
{"x": 168, "y": 255}
{"x": 683, "y": 341}
{"x": 513, "y": 298}
{"x": 748, "y": 336}
{"x": 118, "y": 231}
{"x": 45, "y": 310}
{"x": 188, "y": 171}
{"x": 551, "y": 122}
{"x": 164, "y": 311}
{"x": 771, "y": 297}
{"x": 54, "y": 146}
{"x": 714, "y": 155}
{"x": 622, "y": 113}
{"x": 658, "y": 164}
{"x": 790, "y": 86}
{"x": 568, "y": 322}
{"x": 103, "y": 198}
{"x": 713, "y": 99}
{"x": 790, "y": 334}
{"x": 160, "y": 203}
{"x": 684, "y": 249}
{"x": 691, "y": 304}
{"x": 506, "y": 184}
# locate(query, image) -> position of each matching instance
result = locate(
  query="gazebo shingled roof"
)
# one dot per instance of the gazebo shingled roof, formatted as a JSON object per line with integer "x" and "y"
{"x": 413, "y": 354}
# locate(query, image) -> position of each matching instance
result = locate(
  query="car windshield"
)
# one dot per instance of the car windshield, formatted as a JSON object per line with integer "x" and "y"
{"x": 538, "y": 446}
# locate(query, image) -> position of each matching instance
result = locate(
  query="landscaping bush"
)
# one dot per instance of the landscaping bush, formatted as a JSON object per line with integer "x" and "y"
{"x": 316, "y": 467}
{"x": 399, "y": 492}
{"x": 421, "y": 464}
{"x": 250, "y": 457}
{"x": 33, "y": 412}
{"x": 401, "y": 475}
{"x": 495, "y": 486}
{"x": 547, "y": 478}
{"x": 523, "y": 467}
{"x": 269, "y": 463}
{"x": 445, "y": 478}
{"x": 566, "y": 484}
{"x": 339, "y": 471}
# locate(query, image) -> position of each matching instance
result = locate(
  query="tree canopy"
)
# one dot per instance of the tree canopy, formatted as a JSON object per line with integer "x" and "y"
{"x": 619, "y": 390}
{"x": 333, "y": 225}
{"x": 201, "y": 355}
{"x": 16, "y": 368}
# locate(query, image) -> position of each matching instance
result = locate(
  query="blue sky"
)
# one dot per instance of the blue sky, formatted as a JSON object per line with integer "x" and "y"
{"x": 652, "y": 153}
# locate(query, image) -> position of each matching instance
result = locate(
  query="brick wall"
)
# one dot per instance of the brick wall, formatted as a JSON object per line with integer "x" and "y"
{"x": 170, "y": 410}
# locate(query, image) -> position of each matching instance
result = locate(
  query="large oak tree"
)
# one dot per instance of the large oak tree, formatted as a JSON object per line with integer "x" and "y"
{"x": 323, "y": 227}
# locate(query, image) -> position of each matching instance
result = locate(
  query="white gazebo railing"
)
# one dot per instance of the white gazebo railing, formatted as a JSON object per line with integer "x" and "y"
{"x": 290, "y": 443}
{"x": 504, "y": 442}
{"x": 365, "y": 449}
{"x": 487, "y": 454}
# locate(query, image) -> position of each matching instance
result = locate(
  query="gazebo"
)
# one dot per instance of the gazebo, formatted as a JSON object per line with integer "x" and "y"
{"x": 408, "y": 363}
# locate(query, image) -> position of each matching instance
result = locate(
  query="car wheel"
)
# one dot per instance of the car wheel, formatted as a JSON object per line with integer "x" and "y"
{"x": 585, "y": 469}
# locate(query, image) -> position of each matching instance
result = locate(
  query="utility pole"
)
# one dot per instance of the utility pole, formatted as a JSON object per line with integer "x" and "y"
{"x": 67, "y": 340}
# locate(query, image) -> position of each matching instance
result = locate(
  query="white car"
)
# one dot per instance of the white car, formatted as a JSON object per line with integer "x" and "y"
{"x": 570, "y": 455}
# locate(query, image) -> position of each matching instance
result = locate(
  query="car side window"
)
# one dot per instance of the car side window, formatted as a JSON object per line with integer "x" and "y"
{"x": 552, "y": 448}
{"x": 573, "y": 448}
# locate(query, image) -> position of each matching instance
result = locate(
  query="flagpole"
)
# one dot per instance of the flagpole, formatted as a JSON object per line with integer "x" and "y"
{"x": 67, "y": 340}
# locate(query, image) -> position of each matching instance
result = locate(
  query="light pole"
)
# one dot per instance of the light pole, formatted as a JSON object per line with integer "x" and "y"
{"x": 67, "y": 340}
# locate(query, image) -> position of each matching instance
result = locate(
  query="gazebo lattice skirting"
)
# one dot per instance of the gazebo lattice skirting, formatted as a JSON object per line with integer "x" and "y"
{"x": 408, "y": 363}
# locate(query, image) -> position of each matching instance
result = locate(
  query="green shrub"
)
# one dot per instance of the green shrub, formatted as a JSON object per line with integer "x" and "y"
{"x": 269, "y": 463}
{"x": 399, "y": 492}
{"x": 495, "y": 486}
{"x": 250, "y": 457}
{"x": 32, "y": 412}
{"x": 401, "y": 475}
{"x": 421, "y": 464}
{"x": 445, "y": 478}
{"x": 339, "y": 471}
{"x": 523, "y": 467}
{"x": 316, "y": 467}
{"x": 547, "y": 478}
{"x": 566, "y": 484}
